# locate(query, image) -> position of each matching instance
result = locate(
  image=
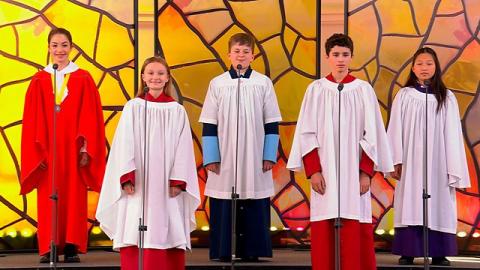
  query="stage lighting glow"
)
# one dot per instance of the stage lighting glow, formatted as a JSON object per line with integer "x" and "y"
{"x": 205, "y": 228}
{"x": 96, "y": 230}
{"x": 273, "y": 229}
{"x": 27, "y": 233}
{"x": 2, "y": 234}
{"x": 391, "y": 232}
{"x": 461, "y": 234}
{"x": 300, "y": 229}
{"x": 380, "y": 232}
{"x": 476, "y": 235}
{"x": 12, "y": 233}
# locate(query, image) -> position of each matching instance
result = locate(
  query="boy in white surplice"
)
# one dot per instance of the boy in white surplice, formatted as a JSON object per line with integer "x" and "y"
{"x": 363, "y": 150}
{"x": 257, "y": 136}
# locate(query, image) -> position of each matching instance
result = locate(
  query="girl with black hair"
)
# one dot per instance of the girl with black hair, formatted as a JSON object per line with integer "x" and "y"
{"x": 425, "y": 95}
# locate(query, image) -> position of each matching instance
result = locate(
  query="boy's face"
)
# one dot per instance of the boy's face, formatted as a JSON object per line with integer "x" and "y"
{"x": 339, "y": 59}
{"x": 240, "y": 54}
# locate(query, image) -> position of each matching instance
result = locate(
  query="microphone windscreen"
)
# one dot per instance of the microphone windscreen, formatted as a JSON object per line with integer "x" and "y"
{"x": 239, "y": 66}
{"x": 55, "y": 66}
{"x": 340, "y": 87}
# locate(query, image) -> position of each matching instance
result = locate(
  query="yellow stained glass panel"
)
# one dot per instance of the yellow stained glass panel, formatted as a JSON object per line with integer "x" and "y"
{"x": 191, "y": 49}
{"x": 302, "y": 16}
{"x": 65, "y": 14}
{"x": 108, "y": 55}
{"x": 264, "y": 13}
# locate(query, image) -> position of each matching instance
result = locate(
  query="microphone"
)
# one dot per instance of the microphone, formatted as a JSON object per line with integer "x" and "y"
{"x": 146, "y": 89}
{"x": 55, "y": 66}
{"x": 239, "y": 68}
{"x": 340, "y": 87}
{"x": 427, "y": 82}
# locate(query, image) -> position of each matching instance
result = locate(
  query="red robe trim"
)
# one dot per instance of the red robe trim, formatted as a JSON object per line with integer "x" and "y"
{"x": 311, "y": 161}
{"x": 130, "y": 177}
{"x": 357, "y": 250}
{"x": 153, "y": 259}
{"x": 80, "y": 119}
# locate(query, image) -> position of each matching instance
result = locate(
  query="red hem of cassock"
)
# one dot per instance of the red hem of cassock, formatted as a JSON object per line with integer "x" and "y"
{"x": 165, "y": 259}
{"x": 356, "y": 245}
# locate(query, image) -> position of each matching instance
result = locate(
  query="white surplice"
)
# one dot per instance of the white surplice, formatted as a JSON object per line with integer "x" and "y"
{"x": 361, "y": 128}
{"x": 447, "y": 164}
{"x": 258, "y": 106}
{"x": 170, "y": 156}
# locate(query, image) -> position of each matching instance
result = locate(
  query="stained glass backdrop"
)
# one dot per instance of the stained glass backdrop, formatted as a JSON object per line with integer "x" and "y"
{"x": 102, "y": 44}
{"x": 193, "y": 35}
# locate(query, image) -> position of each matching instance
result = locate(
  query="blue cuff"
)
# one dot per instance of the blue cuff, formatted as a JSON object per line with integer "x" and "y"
{"x": 211, "y": 151}
{"x": 270, "y": 147}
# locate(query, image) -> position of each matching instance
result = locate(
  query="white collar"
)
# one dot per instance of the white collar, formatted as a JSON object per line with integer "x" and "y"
{"x": 71, "y": 67}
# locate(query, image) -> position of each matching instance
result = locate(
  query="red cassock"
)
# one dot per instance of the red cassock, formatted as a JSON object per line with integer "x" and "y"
{"x": 79, "y": 122}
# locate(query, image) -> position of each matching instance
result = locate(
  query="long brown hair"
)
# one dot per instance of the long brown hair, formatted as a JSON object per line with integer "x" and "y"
{"x": 437, "y": 86}
{"x": 168, "y": 88}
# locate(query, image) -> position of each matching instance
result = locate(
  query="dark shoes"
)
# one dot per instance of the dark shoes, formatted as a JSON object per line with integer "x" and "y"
{"x": 70, "y": 254}
{"x": 250, "y": 259}
{"x": 46, "y": 258}
{"x": 405, "y": 260}
{"x": 442, "y": 261}
{"x": 71, "y": 259}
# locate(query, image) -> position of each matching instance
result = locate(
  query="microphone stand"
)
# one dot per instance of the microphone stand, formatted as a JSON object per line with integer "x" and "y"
{"x": 338, "y": 221}
{"x": 425, "y": 195}
{"x": 142, "y": 228}
{"x": 54, "y": 195}
{"x": 235, "y": 195}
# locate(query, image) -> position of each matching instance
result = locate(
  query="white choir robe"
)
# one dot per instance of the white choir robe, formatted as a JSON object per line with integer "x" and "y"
{"x": 361, "y": 129}
{"x": 447, "y": 164}
{"x": 258, "y": 106}
{"x": 170, "y": 156}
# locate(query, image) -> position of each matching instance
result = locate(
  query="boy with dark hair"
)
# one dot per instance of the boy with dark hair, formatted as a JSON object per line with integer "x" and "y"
{"x": 340, "y": 139}
{"x": 240, "y": 118}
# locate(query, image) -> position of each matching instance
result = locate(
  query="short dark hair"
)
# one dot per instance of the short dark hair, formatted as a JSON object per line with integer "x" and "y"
{"x": 340, "y": 40}
{"x": 241, "y": 39}
{"x": 60, "y": 31}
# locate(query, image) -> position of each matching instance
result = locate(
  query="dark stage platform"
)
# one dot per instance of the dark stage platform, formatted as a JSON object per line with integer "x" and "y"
{"x": 198, "y": 260}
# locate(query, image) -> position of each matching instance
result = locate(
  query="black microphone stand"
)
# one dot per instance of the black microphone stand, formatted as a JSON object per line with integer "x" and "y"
{"x": 235, "y": 195}
{"x": 142, "y": 228}
{"x": 338, "y": 221}
{"x": 54, "y": 195}
{"x": 425, "y": 195}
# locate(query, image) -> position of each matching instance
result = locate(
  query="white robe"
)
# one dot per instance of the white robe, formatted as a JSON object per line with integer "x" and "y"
{"x": 258, "y": 106}
{"x": 447, "y": 164}
{"x": 170, "y": 157}
{"x": 361, "y": 128}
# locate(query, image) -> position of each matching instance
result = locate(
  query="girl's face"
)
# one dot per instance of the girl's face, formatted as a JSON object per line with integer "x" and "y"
{"x": 155, "y": 76}
{"x": 59, "y": 48}
{"x": 424, "y": 67}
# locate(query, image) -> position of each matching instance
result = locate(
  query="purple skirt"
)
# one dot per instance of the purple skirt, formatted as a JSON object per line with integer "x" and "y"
{"x": 408, "y": 241}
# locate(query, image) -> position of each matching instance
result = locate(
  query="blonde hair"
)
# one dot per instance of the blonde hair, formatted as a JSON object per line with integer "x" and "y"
{"x": 168, "y": 88}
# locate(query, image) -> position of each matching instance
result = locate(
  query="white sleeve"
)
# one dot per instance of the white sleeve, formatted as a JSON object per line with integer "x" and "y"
{"x": 209, "y": 112}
